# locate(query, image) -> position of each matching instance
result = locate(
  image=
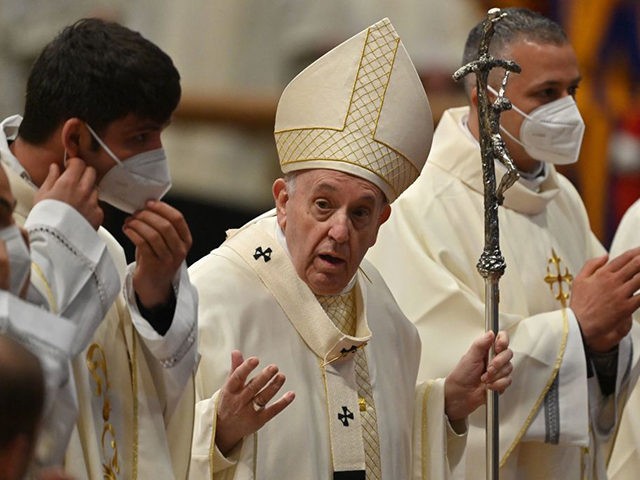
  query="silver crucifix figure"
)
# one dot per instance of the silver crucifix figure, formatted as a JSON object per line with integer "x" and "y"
{"x": 491, "y": 264}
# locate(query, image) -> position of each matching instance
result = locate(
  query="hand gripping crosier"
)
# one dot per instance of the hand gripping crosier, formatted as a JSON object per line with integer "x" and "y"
{"x": 491, "y": 264}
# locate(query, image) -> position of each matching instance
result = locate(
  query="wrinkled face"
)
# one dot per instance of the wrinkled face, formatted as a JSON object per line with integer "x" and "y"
{"x": 330, "y": 220}
{"x": 549, "y": 72}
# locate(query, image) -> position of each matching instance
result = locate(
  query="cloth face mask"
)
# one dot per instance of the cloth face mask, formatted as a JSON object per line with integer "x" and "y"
{"x": 552, "y": 132}
{"x": 19, "y": 258}
{"x": 130, "y": 183}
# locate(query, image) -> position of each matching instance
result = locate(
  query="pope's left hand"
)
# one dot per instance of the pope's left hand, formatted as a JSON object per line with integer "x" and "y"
{"x": 466, "y": 385}
{"x": 162, "y": 239}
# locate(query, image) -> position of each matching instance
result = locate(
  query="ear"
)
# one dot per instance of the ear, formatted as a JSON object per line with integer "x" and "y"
{"x": 384, "y": 215}
{"x": 474, "y": 97}
{"x": 281, "y": 197}
{"x": 73, "y": 131}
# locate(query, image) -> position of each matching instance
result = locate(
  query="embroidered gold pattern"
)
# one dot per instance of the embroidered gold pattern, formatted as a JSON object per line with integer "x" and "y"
{"x": 97, "y": 366}
{"x": 355, "y": 143}
{"x": 558, "y": 277}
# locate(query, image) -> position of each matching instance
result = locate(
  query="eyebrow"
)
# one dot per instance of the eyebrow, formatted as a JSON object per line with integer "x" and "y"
{"x": 557, "y": 83}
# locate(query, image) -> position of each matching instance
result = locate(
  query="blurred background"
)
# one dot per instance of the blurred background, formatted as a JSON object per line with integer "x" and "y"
{"x": 236, "y": 56}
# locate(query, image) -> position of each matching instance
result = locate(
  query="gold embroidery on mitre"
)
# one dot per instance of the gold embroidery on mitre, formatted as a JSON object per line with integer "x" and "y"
{"x": 559, "y": 278}
{"x": 97, "y": 366}
{"x": 355, "y": 143}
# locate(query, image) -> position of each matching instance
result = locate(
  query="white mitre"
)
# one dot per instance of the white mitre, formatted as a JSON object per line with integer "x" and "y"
{"x": 359, "y": 109}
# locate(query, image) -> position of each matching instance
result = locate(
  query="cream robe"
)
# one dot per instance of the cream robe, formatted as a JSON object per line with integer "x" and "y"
{"x": 427, "y": 253}
{"x": 132, "y": 389}
{"x": 625, "y": 459}
{"x": 262, "y": 308}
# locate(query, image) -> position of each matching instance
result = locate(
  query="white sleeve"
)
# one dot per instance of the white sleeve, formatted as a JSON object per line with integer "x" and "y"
{"x": 48, "y": 336}
{"x": 175, "y": 353}
{"x": 563, "y": 416}
{"x": 71, "y": 267}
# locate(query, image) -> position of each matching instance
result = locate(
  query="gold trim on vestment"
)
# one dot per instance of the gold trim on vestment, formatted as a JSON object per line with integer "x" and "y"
{"x": 426, "y": 460}
{"x": 53, "y": 305}
{"x": 536, "y": 405}
{"x": 96, "y": 367}
{"x": 134, "y": 386}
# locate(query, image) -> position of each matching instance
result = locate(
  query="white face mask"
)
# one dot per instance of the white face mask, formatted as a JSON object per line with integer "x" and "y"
{"x": 552, "y": 132}
{"x": 19, "y": 258}
{"x": 130, "y": 183}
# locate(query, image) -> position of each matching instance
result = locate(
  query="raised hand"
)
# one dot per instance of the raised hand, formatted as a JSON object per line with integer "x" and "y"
{"x": 162, "y": 239}
{"x": 242, "y": 407}
{"x": 75, "y": 186}
{"x": 603, "y": 299}
{"x": 466, "y": 385}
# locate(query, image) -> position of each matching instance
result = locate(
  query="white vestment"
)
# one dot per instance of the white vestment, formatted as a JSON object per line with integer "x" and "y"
{"x": 252, "y": 299}
{"x": 625, "y": 459}
{"x": 131, "y": 397}
{"x": 553, "y": 421}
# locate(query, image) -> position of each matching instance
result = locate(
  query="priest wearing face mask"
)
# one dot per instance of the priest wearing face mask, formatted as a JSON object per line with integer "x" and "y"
{"x": 98, "y": 98}
{"x": 566, "y": 306}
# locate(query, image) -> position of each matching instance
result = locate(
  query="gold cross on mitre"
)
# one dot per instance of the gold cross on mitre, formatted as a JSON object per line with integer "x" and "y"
{"x": 559, "y": 278}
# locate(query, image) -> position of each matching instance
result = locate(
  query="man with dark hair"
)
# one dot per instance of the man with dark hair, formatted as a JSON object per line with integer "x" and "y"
{"x": 568, "y": 314}
{"x": 98, "y": 98}
{"x": 21, "y": 403}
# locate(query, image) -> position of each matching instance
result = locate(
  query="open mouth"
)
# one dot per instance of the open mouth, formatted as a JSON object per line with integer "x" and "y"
{"x": 331, "y": 259}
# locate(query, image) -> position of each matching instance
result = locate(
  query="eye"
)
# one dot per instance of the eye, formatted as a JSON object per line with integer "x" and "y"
{"x": 322, "y": 204}
{"x": 572, "y": 90}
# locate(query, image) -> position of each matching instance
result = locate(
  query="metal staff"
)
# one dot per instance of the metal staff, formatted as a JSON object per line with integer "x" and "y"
{"x": 491, "y": 264}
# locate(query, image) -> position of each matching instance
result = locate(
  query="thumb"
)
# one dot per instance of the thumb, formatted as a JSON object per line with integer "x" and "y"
{"x": 481, "y": 345}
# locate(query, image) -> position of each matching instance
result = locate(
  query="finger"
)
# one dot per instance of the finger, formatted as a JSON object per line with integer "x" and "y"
{"x": 236, "y": 359}
{"x": 74, "y": 169}
{"x": 158, "y": 231}
{"x": 270, "y": 390}
{"x": 593, "y": 265}
{"x": 257, "y": 383}
{"x": 238, "y": 377}
{"x": 500, "y": 385}
{"x": 146, "y": 238}
{"x": 502, "y": 341}
{"x": 52, "y": 175}
{"x": 87, "y": 180}
{"x": 276, "y": 407}
{"x": 174, "y": 217}
{"x": 497, "y": 365}
{"x": 481, "y": 345}
{"x": 623, "y": 259}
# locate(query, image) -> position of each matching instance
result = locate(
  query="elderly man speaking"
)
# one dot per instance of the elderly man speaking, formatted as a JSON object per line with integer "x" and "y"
{"x": 352, "y": 131}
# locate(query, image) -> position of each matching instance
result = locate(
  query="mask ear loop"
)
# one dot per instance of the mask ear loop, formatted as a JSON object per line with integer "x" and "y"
{"x": 103, "y": 145}
{"x": 504, "y": 130}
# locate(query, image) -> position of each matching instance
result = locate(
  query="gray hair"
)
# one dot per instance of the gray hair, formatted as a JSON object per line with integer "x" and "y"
{"x": 519, "y": 24}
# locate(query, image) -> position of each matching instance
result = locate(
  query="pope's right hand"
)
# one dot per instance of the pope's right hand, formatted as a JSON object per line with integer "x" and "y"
{"x": 75, "y": 186}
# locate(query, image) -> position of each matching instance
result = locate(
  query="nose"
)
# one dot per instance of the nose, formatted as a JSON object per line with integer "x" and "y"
{"x": 339, "y": 230}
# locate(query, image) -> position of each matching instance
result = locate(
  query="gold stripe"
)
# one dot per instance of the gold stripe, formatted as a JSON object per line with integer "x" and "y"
{"x": 53, "y": 305}
{"x": 212, "y": 444}
{"x": 426, "y": 460}
{"x": 536, "y": 406}
{"x": 134, "y": 385}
